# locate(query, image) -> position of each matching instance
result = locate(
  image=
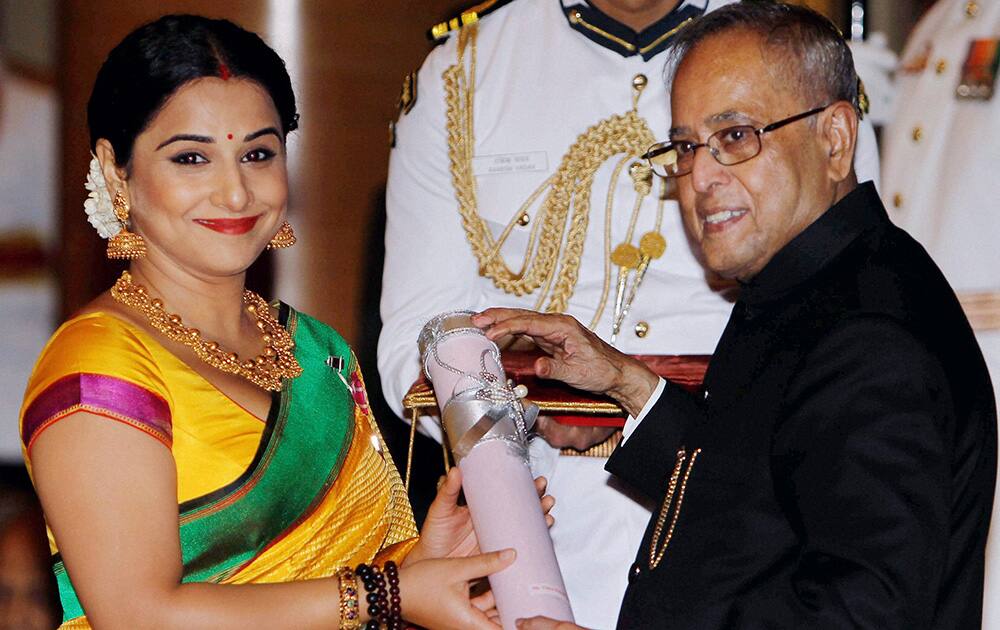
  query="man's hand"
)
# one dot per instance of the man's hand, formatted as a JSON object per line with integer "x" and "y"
{"x": 544, "y": 623}
{"x": 577, "y": 356}
{"x": 570, "y": 436}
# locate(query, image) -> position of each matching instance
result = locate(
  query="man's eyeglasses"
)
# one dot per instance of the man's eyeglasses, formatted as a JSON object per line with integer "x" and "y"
{"x": 728, "y": 146}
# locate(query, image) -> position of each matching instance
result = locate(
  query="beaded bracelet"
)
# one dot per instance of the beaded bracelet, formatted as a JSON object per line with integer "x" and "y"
{"x": 350, "y": 615}
{"x": 371, "y": 580}
{"x": 395, "y": 620}
{"x": 383, "y": 609}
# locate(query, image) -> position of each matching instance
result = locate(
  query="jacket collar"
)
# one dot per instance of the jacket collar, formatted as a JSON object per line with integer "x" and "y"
{"x": 817, "y": 245}
{"x": 598, "y": 27}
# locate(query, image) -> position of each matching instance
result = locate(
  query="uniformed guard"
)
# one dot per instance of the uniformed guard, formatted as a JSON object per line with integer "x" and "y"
{"x": 941, "y": 166}
{"x": 516, "y": 180}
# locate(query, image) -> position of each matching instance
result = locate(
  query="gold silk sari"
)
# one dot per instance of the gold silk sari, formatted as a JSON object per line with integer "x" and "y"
{"x": 293, "y": 497}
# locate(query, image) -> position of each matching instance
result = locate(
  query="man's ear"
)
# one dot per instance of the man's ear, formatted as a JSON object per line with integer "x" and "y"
{"x": 113, "y": 176}
{"x": 839, "y": 129}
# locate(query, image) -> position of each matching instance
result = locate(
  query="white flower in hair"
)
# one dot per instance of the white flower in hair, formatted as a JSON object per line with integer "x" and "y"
{"x": 100, "y": 211}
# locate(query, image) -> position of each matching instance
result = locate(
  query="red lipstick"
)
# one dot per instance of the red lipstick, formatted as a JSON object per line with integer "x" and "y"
{"x": 230, "y": 226}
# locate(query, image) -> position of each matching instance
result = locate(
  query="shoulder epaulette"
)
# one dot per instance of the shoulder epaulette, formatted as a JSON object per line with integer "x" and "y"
{"x": 439, "y": 32}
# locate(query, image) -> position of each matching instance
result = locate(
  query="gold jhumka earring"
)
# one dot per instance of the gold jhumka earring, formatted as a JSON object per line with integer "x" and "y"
{"x": 284, "y": 238}
{"x": 124, "y": 245}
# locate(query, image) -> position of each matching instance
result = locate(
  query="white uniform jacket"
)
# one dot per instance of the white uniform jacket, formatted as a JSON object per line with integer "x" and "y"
{"x": 942, "y": 152}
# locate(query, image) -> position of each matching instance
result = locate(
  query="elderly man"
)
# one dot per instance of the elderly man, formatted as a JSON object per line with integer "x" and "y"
{"x": 516, "y": 180}
{"x": 837, "y": 469}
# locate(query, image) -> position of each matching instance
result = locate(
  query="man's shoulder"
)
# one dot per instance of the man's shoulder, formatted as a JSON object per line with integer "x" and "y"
{"x": 886, "y": 273}
{"x": 498, "y": 23}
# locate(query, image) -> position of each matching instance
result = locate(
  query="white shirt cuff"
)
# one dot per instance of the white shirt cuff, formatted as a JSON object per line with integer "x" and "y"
{"x": 631, "y": 423}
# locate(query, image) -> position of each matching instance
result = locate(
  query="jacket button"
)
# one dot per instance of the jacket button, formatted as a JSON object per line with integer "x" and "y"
{"x": 524, "y": 219}
{"x": 918, "y": 133}
{"x": 941, "y": 66}
{"x": 634, "y": 572}
{"x": 971, "y": 9}
{"x": 641, "y": 329}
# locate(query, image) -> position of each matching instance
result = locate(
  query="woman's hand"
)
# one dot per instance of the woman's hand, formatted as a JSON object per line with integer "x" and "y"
{"x": 448, "y": 532}
{"x": 569, "y": 436}
{"x": 435, "y": 593}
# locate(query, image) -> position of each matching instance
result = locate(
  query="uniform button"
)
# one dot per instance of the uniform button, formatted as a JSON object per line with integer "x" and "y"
{"x": 641, "y": 329}
{"x": 575, "y": 17}
{"x": 971, "y": 9}
{"x": 639, "y": 81}
{"x": 940, "y": 66}
{"x": 918, "y": 133}
{"x": 524, "y": 219}
{"x": 634, "y": 572}
{"x": 897, "y": 200}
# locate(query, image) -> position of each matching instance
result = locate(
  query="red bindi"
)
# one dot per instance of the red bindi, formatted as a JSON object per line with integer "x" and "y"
{"x": 229, "y": 136}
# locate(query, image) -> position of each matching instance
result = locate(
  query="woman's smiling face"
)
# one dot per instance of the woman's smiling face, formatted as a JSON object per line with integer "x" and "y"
{"x": 208, "y": 181}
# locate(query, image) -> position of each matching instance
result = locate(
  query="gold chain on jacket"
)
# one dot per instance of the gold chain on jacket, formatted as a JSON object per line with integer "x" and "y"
{"x": 570, "y": 186}
{"x": 656, "y": 550}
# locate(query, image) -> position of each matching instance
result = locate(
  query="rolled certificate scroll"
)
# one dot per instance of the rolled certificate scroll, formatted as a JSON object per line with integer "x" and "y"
{"x": 486, "y": 428}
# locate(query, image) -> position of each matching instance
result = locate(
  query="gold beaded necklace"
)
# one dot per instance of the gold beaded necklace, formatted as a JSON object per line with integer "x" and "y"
{"x": 266, "y": 370}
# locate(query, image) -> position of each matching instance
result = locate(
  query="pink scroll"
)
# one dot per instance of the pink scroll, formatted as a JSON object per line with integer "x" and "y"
{"x": 486, "y": 429}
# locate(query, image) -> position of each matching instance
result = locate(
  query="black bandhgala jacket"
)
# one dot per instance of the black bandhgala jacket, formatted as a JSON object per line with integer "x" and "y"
{"x": 837, "y": 470}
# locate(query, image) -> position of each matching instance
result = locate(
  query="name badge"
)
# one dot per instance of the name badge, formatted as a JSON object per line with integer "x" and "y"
{"x": 510, "y": 163}
{"x": 979, "y": 71}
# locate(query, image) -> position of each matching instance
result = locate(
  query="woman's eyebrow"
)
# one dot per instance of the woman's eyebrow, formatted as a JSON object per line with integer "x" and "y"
{"x": 185, "y": 136}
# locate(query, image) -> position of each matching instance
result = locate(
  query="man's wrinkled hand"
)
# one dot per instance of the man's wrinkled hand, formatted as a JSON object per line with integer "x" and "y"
{"x": 576, "y": 356}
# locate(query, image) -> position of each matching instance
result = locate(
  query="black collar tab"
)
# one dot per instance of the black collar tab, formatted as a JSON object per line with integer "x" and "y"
{"x": 598, "y": 27}
{"x": 439, "y": 32}
{"x": 811, "y": 250}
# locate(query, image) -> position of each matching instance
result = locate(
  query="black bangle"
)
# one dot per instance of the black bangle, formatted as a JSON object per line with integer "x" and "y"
{"x": 382, "y": 595}
{"x": 395, "y": 618}
{"x": 372, "y": 579}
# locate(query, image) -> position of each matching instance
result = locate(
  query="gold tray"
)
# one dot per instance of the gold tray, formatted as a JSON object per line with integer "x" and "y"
{"x": 563, "y": 403}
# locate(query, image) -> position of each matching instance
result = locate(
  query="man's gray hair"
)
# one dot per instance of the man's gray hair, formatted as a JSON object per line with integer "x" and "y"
{"x": 824, "y": 71}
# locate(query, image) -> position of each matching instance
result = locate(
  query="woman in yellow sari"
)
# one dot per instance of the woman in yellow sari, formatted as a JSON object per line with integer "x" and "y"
{"x": 204, "y": 458}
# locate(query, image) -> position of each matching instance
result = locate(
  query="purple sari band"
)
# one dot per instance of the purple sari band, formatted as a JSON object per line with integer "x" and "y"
{"x": 99, "y": 394}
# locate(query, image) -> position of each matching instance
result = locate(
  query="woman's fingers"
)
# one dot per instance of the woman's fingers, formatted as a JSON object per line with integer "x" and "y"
{"x": 485, "y": 602}
{"x": 540, "y": 484}
{"x": 484, "y": 564}
{"x": 548, "y": 501}
{"x": 448, "y": 490}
